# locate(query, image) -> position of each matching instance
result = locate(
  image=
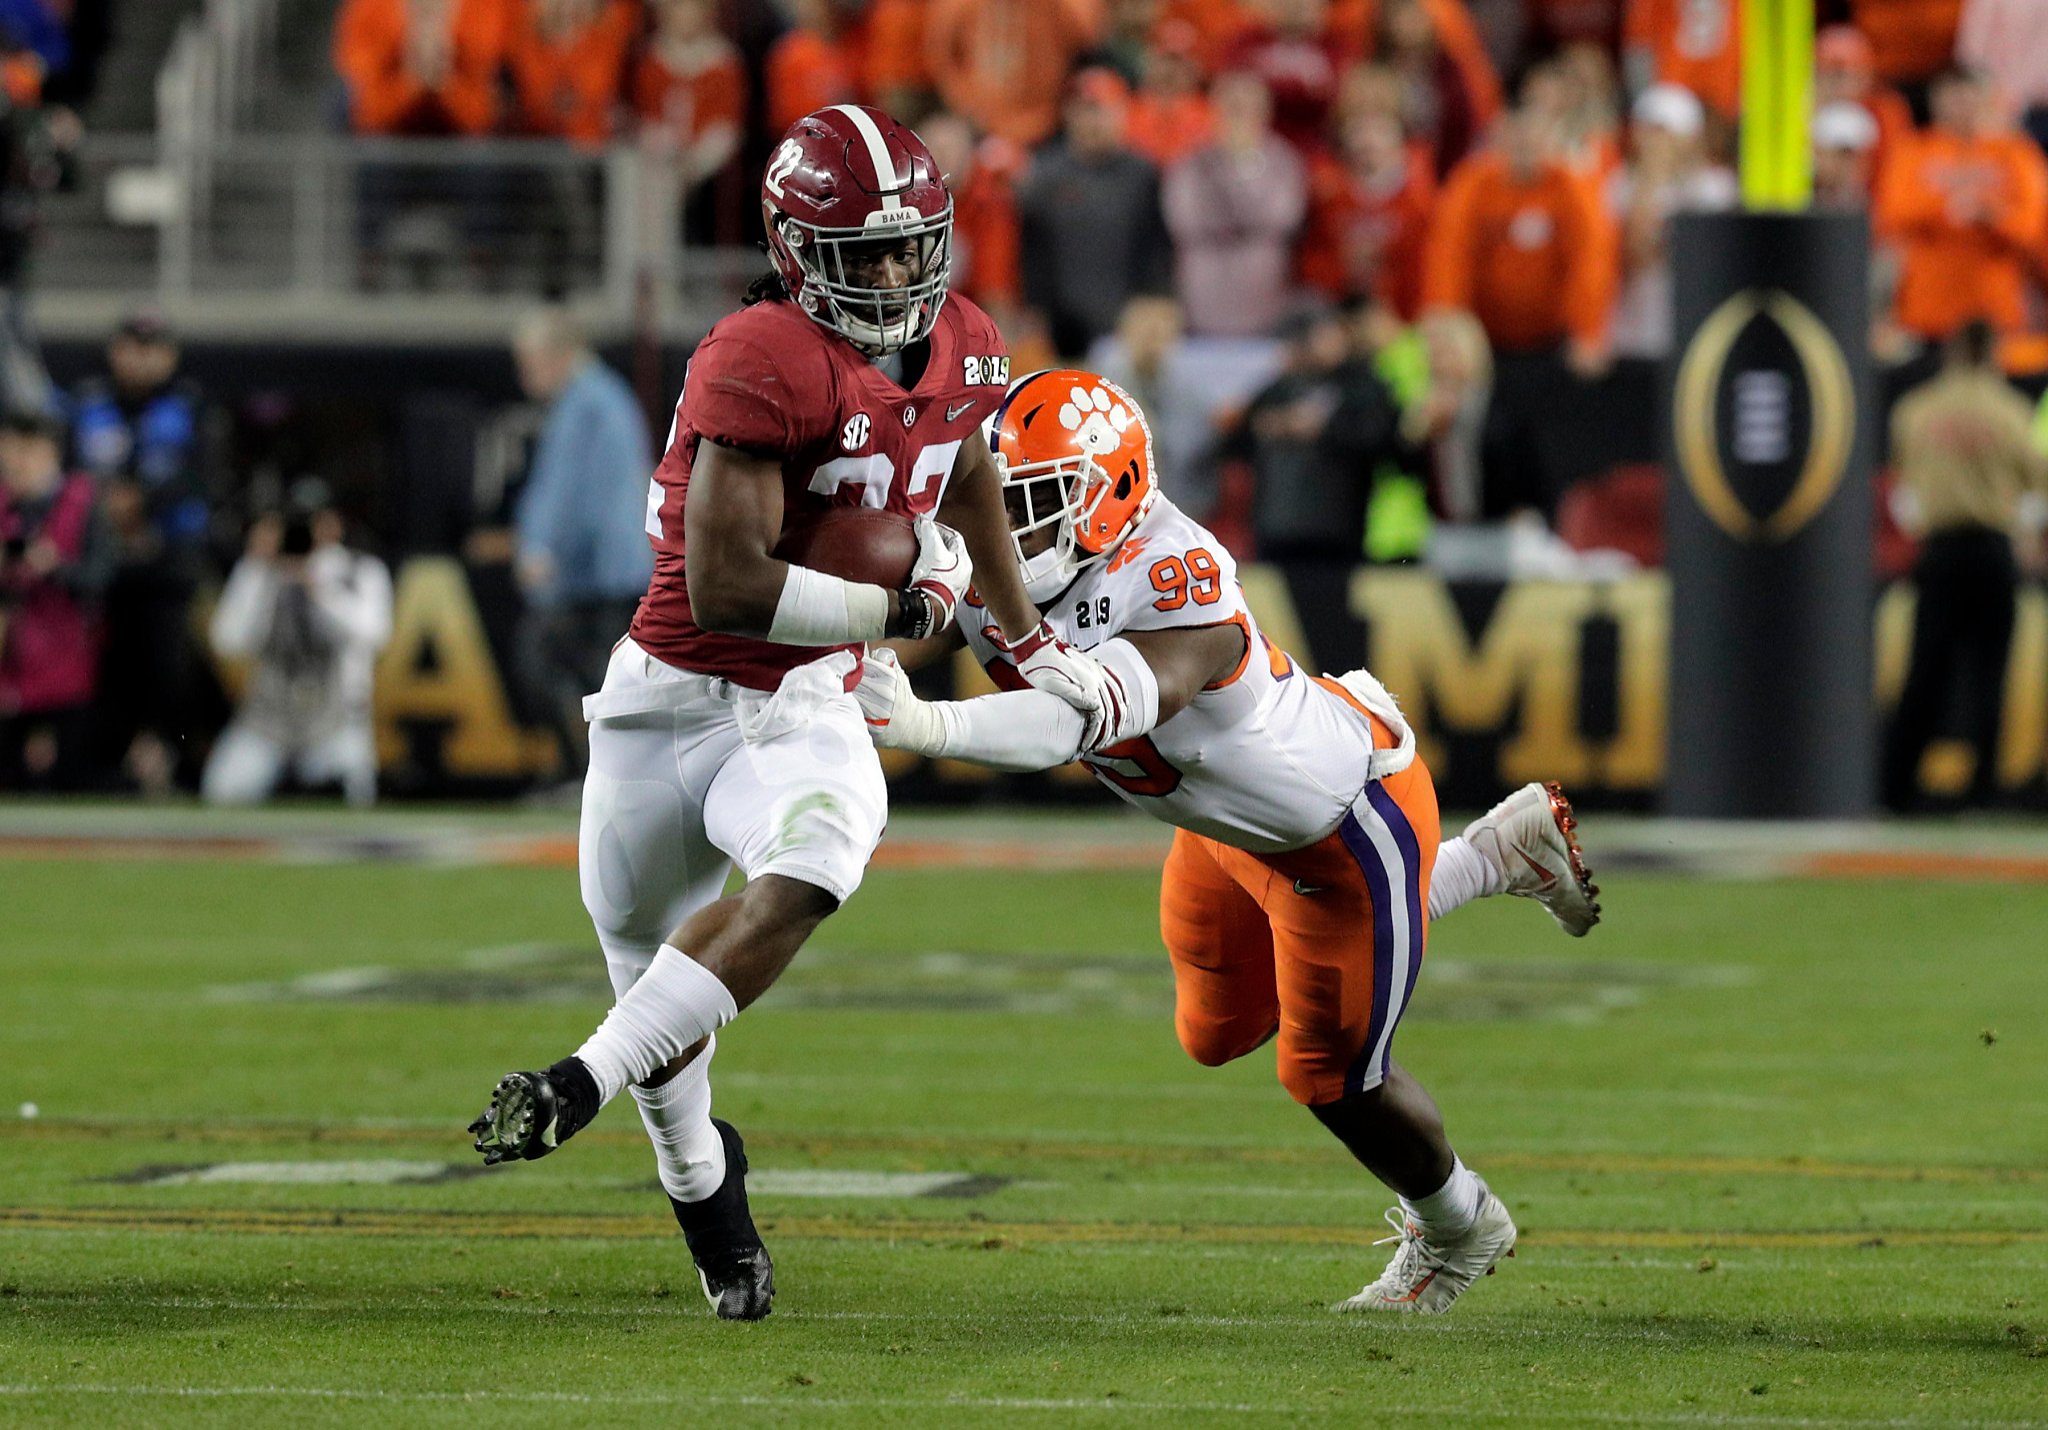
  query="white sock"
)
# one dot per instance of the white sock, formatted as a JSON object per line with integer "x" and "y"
{"x": 676, "y": 1003}
{"x": 687, "y": 1148}
{"x": 1462, "y": 874}
{"x": 1449, "y": 1211}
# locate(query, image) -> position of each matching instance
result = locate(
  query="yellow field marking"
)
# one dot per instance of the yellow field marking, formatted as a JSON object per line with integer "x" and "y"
{"x": 993, "y": 1235}
{"x": 982, "y": 1150}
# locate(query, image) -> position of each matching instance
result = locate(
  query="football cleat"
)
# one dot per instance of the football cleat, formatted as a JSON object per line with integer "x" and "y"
{"x": 732, "y": 1264}
{"x": 530, "y": 1115}
{"x": 1533, "y": 839}
{"x": 1425, "y": 1278}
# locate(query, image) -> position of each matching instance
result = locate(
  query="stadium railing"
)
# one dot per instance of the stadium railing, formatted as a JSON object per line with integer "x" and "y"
{"x": 405, "y": 240}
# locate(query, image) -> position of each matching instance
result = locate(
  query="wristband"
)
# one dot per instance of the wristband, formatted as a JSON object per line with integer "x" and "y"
{"x": 917, "y": 614}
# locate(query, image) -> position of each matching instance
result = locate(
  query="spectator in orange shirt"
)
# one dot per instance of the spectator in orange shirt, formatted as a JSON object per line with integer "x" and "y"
{"x": 811, "y": 66}
{"x": 888, "y": 41}
{"x": 1966, "y": 202}
{"x": 568, "y": 62}
{"x": 1170, "y": 116}
{"x": 1522, "y": 244}
{"x": 983, "y": 179}
{"x": 1003, "y": 63}
{"x": 1912, "y": 39}
{"x": 421, "y": 67}
{"x": 1694, "y": 43}
{"x": 1369, "y": 208}
{"x": 1218, "y": 24}
{"x": 691, "y": 93}
{"x": 1845, "y": 71}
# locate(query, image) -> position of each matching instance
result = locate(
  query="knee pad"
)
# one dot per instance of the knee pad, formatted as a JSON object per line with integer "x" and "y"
{"x": 629, "y": 827}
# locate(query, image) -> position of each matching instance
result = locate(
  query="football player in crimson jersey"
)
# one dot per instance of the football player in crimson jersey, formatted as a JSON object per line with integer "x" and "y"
{"x": 727, "y": 731}
{"x": 1306, "y": 865}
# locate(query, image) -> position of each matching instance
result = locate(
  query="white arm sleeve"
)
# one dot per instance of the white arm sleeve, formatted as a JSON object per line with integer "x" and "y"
{"x": 1017, "y": 730}
{"x": 818, "y": 609}
{"x": 1034, "y": 730}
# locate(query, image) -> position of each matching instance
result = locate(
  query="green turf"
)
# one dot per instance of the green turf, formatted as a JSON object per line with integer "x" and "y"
{"x": 1767, "y": 1165}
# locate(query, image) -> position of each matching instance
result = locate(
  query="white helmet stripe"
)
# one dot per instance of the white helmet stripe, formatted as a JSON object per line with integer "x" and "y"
{"x": 878, "y": 154}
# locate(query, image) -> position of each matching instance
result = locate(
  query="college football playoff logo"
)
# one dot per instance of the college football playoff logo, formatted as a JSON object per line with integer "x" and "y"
{"x": 1764, "y": 416}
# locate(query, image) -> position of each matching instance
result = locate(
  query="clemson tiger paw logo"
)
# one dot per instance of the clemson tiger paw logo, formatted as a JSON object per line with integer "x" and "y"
{"x": 1097, "y": 418}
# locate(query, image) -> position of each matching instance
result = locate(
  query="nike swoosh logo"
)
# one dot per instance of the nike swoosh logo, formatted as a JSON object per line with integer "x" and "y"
{"x": 953, "y": 413}
{"x": 1306, "y": 889}
{"x": 1542, "y": 873}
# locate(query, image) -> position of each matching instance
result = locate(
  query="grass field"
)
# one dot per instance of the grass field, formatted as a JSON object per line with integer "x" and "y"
{"x": 1778, "y": 1148}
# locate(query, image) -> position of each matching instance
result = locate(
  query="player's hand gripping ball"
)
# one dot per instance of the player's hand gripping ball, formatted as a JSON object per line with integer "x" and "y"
{"x": 943, "y": 571}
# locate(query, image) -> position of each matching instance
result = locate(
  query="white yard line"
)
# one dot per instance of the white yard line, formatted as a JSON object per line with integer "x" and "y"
{"x": 796, "y": 1399}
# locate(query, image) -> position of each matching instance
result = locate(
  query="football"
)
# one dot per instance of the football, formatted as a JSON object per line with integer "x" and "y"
{"x": 854, "y": 543}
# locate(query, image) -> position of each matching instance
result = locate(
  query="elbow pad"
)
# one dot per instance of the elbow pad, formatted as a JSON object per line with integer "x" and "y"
{"x": 819, "y": 609}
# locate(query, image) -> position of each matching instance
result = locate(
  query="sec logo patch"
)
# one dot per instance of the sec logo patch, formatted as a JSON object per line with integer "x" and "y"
{"x": 854, "y": 435}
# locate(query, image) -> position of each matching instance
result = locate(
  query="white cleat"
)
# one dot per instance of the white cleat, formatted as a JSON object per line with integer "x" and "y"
{"x": 1425, "y": 1279}
{"x": 1533, "y": 839}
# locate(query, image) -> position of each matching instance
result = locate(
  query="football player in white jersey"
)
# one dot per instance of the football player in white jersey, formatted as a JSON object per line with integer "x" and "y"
{"x": 1306, "y": 865}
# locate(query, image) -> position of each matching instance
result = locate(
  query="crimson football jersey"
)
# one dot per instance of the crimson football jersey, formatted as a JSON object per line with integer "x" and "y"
{"x": 770, "y": 381}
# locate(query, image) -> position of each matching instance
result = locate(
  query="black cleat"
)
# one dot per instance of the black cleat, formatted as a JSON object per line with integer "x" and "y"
{"x": 533, "y": 1113}
{"x": 732, "y": 1264}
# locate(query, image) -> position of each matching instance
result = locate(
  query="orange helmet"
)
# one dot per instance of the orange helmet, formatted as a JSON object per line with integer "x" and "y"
{"x": 1076, "y": 458}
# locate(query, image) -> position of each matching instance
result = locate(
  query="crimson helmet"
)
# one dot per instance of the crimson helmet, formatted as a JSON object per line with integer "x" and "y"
{"x": 844, "y": 178}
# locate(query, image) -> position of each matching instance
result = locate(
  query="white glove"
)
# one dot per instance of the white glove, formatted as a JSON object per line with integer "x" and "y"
{"x": 897, "y": 718}
{"x": 1048, "y": 663}
{"x": 943, "y": 570}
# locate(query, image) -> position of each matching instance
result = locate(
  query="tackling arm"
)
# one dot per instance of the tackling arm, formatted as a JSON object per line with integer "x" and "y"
{"x": 1155, "y": 672}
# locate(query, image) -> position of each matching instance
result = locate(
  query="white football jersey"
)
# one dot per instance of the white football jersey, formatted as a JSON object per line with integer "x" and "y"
{"x": 1263, "y": 760}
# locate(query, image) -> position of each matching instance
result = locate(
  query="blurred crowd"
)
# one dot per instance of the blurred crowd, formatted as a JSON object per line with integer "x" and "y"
{"x": 167, "y": 623}
{"x": 1503, "y": 170}
{"x": 50, "y": 54}
{"x": 1364, "y": 262}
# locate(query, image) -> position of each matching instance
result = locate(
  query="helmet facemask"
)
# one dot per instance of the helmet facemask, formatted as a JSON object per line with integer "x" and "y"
{"x": 1058, "y": 496}
{"x": 879, "y": 321}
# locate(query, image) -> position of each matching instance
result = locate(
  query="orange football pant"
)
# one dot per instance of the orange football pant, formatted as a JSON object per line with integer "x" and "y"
{"x": 1320, "y": 945}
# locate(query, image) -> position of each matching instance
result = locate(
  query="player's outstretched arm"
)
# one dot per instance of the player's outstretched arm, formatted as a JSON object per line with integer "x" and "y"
{"x": 732, "y": 518}
{"x": 1155, "y": 674}
{"x": 974, "y": 508}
